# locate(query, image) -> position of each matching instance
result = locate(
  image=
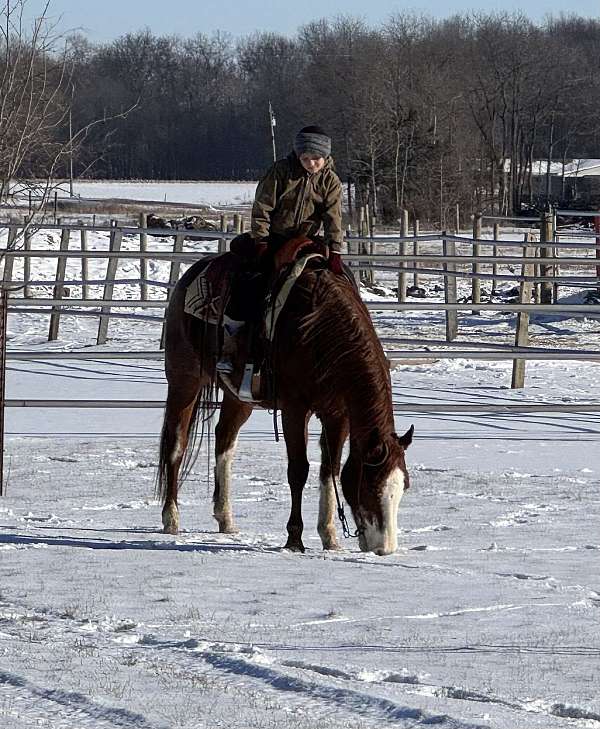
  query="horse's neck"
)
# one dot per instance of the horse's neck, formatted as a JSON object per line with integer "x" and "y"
{"x": 369, "y": 407}
{"x": 369, "y": 402}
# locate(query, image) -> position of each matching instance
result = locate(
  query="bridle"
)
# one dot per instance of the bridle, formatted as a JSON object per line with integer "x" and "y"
{"x": 386, "y": 452}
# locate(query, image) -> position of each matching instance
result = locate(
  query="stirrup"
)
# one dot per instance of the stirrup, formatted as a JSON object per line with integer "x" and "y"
{"x": 245, "y": 391}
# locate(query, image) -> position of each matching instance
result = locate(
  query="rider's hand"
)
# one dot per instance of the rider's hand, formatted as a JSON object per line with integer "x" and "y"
{"x": 335, "y": 262}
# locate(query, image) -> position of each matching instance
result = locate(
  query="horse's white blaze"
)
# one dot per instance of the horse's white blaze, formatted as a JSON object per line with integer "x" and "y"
{"x": 383, "y": 539}
{"x": 326, "y": 523}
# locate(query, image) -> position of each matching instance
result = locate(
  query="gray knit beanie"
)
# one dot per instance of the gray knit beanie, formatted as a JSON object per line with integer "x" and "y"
{"x": 312, "y": 140}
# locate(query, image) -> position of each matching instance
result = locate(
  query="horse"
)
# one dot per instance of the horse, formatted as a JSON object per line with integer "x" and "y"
{"x": 326, "y": 361}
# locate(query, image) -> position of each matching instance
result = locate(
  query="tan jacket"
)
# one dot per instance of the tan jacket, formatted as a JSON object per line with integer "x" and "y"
{"x": 288, "y": 197}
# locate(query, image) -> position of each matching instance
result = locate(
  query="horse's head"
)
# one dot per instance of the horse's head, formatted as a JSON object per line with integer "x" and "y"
{"x": 374, "y": 479}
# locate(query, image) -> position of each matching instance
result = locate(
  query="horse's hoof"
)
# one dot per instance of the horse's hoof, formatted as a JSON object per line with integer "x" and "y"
{"x": 332, "y": 547}
{"x": 227, "y": 527}
{"x": 170, "y": 529}
{"x": 294, "y": 546}
{"x": 230, "y": 529}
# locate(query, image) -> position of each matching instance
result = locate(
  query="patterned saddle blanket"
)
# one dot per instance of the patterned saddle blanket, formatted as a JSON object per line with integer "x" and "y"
{"x": 207, "y": 295}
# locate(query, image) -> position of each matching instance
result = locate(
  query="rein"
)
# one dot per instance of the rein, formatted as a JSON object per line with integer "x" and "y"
{"x": 340, "y": 507}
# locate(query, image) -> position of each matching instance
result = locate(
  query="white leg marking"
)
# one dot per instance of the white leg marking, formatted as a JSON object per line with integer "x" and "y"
{"x": 326, "y": 523}
{"x": 222, "y": 507}
{"x": 177, "y": 450}
{"x": 170, "y": 519}
{"x": 384, "y": 539}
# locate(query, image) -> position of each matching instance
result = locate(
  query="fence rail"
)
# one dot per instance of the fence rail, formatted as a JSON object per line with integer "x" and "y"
{"x": 537, "y": 268}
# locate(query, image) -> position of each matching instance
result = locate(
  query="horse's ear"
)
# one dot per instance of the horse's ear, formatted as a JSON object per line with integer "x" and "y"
{"x": 406, "y": 439}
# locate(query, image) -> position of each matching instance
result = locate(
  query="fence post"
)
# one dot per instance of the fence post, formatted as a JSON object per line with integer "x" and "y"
{"x": 222, "y": 241}
{"x": 597, "y": 230}
{"x": 143, "y": 224}
{"x": 116, "y": 236}
{"x": 173, "y": 276}
{"x": 546, "y": 236}
{"x": 449, "y": 249}
{"x": 457, "y": 219}
{"x": 522, "y": 325}
{"x": 416, "y": 279}
{"x": 26, "y": 261}
{"x": 59, "y": 287}
{"x": 556, "y": 254}
{"x": 237, "y": 223}
{"x": 476, "y": 284}
{"x": 402, "y": 252}
{"x": 372, "y": 244}
{"x": 362, "y": 246}
{"x": 85, "y": 269}
{"x": 495, "y": 264}
{"x": 3, "y": 317}
{"x": 9, "y": 261}
{"x": 354, "y": 266}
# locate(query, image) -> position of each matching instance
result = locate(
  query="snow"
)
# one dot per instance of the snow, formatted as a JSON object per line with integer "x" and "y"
{"x": 196, "y": 192}
{"x": 487, "y": 616}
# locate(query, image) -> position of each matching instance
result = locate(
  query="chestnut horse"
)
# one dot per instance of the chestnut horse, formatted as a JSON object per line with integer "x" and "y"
{"x": 326, "y": 361}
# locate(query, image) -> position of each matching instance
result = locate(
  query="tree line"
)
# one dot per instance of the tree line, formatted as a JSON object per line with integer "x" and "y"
{"x": 424, "y": 114}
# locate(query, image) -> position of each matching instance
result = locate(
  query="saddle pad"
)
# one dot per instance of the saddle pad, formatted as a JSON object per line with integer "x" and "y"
{"x": 274, "y": 307}
{"x": 206, "y": 296}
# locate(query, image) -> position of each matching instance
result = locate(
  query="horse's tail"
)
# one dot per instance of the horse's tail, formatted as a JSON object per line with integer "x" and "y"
{"x": 199, "y": 428}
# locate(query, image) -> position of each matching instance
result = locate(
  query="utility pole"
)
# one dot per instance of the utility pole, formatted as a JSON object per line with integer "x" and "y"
{"x": 70, "y": 152}
{"x": 273, "y": 123}
{"x": 71, "y": 140}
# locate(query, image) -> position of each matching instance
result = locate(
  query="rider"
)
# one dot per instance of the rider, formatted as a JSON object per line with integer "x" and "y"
{"x": 298, "y": 194}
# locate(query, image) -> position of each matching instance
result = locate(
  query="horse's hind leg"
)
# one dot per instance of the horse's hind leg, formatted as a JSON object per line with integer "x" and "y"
{"x": 231, "y": 418}
{"x": 179, "y": 411}
{"x": 333, "y": 436}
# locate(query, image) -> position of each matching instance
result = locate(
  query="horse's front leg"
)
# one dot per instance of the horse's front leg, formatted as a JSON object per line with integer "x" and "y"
{"x": 295, "y": 430}
{"x": 333, "y": 435}
{"x": 231, "y": 418}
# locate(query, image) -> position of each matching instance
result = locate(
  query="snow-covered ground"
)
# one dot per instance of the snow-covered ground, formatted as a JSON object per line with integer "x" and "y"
{"x": 197, "y": 193}
{"x": 487, "y": 616}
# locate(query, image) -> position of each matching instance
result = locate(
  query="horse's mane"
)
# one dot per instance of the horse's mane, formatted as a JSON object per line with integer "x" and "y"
{"x": 348, "y": 353}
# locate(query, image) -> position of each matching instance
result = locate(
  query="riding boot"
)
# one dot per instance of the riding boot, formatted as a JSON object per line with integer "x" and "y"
{"x": 231, "y": 330}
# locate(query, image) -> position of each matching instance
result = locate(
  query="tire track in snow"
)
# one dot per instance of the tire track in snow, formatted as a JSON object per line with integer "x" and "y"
{"x": 31, "y": 702}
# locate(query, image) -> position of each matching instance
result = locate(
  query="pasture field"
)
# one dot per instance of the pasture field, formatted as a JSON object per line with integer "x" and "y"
{"x": 487, "y": 616}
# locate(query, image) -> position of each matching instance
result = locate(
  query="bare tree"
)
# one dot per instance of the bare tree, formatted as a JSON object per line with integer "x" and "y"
{"x": 35, "y": 96}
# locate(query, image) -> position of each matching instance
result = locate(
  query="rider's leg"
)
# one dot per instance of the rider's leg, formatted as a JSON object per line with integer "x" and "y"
{"x": 231, "y": 329}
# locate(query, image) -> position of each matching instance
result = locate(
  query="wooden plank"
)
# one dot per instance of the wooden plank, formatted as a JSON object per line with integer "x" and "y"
{"x": 546, "y": 236}
{"x": 143, "y": 220}
{"x": 495, "y": 265}
{"x": 416, "y": 278}
{"x": 116, "y": 238}
{"x": 223, "y": 241}
{"x": 522, "y": 325}
{"x": 59, "y": 285}
{"x": 9, "y": 261}
{"x": 402, "y": 251}
{"x": 476, "y": 282}
{"x": 27, "y": 235}
{"x": 449, "y": 249}
{"x": 85, "y": 287}
{"x": 3, "y": 330}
